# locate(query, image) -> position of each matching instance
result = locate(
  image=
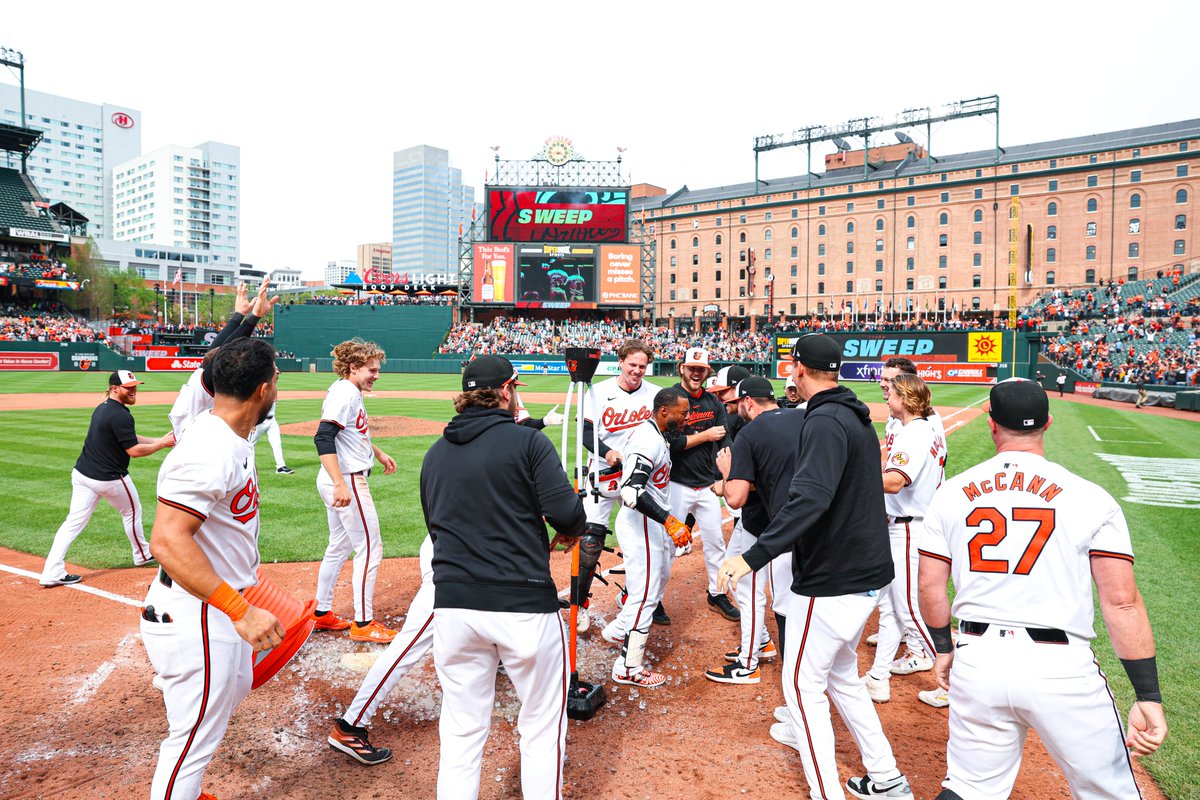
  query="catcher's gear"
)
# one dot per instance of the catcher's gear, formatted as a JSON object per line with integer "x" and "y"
{"x": 681, "y": 532}
{"x": 638, "y": 476}
{"x": 607, "y": 481}
{"x": 591, "y": 545}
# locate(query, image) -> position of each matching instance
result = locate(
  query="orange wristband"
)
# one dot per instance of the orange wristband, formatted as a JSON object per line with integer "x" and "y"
{"x": 226, "y": 599}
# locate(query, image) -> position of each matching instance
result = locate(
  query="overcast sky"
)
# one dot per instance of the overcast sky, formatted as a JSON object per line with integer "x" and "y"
{"x": 318, "y": 96}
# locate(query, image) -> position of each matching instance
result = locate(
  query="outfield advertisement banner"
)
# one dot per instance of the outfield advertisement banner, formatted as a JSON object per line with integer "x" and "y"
{"x": 10, "y": 360}
{"x": 168, "y": 364}
{"x": 1086, "y": 387}
{"x": 941, "y": 356}
{"x": 606, "y": 368}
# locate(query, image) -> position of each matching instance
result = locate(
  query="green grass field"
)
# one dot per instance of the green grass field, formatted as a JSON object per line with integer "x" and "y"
{"x": 44, "y": 445}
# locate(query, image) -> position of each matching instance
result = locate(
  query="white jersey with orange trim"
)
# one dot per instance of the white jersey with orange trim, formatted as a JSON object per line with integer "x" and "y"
{"x": 1019, "y": 532}
{"x": 917, "y": 453}
{"x": 344, "y": 407}
{"x": 211, "y": 476}
{"x": 192, "y": 401}
{"x": 892, "y": 426}
{"x": 647, "y": 442}
{"x": 616, "y": 412}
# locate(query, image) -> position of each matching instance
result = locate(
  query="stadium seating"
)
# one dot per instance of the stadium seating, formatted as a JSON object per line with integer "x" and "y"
{"x": 16, "y": 195}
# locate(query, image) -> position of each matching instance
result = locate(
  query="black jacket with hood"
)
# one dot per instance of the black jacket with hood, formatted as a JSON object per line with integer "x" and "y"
{"x": 485, "y": 487}
{"x": 834, "y": 520}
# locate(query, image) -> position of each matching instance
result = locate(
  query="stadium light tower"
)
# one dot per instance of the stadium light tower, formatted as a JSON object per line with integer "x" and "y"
{"x": 15, "y": 60}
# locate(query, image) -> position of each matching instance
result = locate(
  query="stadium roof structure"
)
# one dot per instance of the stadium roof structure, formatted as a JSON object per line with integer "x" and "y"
{"x": 15, "y": 139}
{"x": 1132, "y": 137}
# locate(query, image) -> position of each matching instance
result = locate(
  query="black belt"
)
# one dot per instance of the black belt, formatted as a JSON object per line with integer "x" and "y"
{"x": 366, "y": 473}
{"x": 1039, "y": 635}
{"x": 164, "y": 578}
{"x": 902, "y": 520}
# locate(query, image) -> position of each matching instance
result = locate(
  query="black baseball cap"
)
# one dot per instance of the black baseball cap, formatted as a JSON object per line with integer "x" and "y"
{"x": 728, "y": 377}
{"x": 817, "y": 351}
{"x": 1019, "y": 405}
{"x": 755, "y": 386}
{"x": 489, "y": 372}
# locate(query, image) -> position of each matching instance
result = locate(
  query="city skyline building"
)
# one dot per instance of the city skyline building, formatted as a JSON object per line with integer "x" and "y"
{"x": 375, "y": 255}
{"x": 429, "y": 203}
{"x": 337, "y": 271}
{"x": 182, "y": 197}
{"x": 81, "y": 145}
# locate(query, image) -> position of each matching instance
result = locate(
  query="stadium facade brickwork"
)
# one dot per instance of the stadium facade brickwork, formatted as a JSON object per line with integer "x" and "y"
{"x": 932, "y": 233}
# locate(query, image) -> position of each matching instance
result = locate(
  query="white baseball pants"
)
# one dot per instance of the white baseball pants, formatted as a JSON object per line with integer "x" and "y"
{"x": 1001, "y": 686}
{"x": 354, "y": 528}
{"x": 779, "y": 579}
{"x": 121, "y": 494}
{"x": 751, "y": 596}
{"x": 270, "y": 427}
{"x": 707, "y": 508}
{"x": 410, "y": 645}
{"x": 820, "y": 656}
{"x": 468, "y": 646}
{"x": 205, "y": 669}
{"x": 899, "y": 607}
{"x": 648, "y": 551}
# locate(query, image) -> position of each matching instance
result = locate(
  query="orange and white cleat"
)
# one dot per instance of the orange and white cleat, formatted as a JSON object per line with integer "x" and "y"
{"x": 329, "y": 621}
{"x": 643, "y": 677}
{"x": 373, "y": 631}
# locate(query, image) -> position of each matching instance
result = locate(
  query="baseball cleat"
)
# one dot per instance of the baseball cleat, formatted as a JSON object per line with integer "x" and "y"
{"x": 680, "y": 552}
{"x": 724, "y": 606}
{"x": 765, "y": 653}
{"x": 284, "y": 470}
{"x": 938, "y": 698}
{"x": 864, "y": 788}
{"x": 352, "y": 741}
{"x": 880, "y": 689}
{"x": 612, "y": 635}
{"x": 660, "y": 616}
{"x": 733, "y": 673}
{"x": 65, "y": 580}
{"x": 784, "y": 733}
{"x": 873, "y": 639}
{"x": 644, "y": 678}
{"x": 149, "y": 562}
{"x": 206, "y": 796}
{"x": 622, "y": 596}
{"x": 329, "y": 621}
{"x": 582, "y": 621}
{"x": 783, "y": 715}
{"x": 373, "y": 631}
{"x": 910, "y": 663}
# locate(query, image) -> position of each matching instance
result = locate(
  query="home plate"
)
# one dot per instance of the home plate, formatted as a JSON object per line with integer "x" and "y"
{"x": 359, "y": 662}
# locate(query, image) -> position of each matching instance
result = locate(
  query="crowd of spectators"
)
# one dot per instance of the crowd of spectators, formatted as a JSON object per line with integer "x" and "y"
{"x": 367, "y": 299}
{"x": 20, "y": 262}
{"x": 1136, "y": 337}
{"x": 25, "y": 324}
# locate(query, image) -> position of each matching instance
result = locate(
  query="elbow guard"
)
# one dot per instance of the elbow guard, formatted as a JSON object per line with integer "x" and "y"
{"x": 324, "y": 439}
{"x": 639, "y": 474}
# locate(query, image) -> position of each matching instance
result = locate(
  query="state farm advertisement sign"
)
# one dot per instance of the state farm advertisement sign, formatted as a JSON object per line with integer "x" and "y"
{"x": 557, "y": 215}
{"x": 10, "y": 360}
{"x": 168, "y": 364}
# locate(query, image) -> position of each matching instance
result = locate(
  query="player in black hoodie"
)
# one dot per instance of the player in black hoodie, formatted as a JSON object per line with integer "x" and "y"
{"x": 485, "y": 487}
{"x": 835, "y": 525}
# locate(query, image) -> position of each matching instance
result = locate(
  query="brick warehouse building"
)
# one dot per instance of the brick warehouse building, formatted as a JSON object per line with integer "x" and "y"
{"x": 922, "y": 233}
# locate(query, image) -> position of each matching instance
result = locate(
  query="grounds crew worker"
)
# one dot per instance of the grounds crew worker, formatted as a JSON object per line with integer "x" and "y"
{"x": 485, "y": 487}
{"x": 835, "y": 525}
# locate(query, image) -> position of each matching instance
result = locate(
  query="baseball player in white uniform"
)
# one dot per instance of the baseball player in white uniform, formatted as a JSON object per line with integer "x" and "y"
{"x": 199, "y": 631}
{"x": 349, "y": 734}
{"x": 911, "y": 474}
{"x": 1024, "y": 539}
{"x": 270, "y": 427}
{"x": 611, "y": 411}
{"x": 648, "y": 534}
{"x": 102, "y": 470}
{"x": 906, "y": 663}
{"x": 344, "y": 445}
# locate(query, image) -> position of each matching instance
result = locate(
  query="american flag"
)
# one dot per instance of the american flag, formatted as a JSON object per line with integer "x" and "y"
{"x": 178, "y": 276}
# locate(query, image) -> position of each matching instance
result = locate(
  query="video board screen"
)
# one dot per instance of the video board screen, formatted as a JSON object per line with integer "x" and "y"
{"x": 556, "y": 276}
{"x": 557, "y": 214}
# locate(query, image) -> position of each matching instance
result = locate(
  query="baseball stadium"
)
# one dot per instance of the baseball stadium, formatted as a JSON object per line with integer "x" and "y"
{"x": 980, "y": 267}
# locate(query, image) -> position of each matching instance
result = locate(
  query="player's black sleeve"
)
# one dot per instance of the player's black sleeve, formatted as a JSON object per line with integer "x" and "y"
{"x": 722, "y": 419}
{"x": 589, "y": 435}
{"x": 819, "y": 467}
{"x": 558, "y": 502}
{"x": 533, "y": 422}
{"x": 123, "y": 430}
{"x": 325, "y": 438}
{"x": 235, "y": 320}
{"x": 246, "y": 328}
{"x": 676, "y": 444}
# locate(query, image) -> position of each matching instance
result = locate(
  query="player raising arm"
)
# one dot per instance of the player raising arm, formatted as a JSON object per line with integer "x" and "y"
{"x": 1023, "y": 539}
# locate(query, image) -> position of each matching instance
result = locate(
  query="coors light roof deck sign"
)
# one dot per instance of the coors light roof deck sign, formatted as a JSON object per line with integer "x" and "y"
{"x": 557, "y": 214}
